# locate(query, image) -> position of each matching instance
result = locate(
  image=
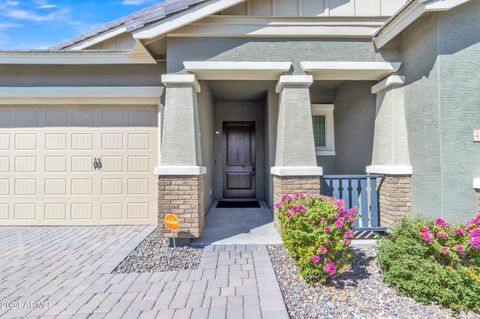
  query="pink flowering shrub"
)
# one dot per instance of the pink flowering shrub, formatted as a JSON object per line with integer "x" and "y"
{"x": 452, "y": 245}
{"x": 432, "y": 261}
{"x": 317, "y": 231}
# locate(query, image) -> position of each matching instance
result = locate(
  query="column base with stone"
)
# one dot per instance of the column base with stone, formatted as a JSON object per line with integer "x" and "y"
{"x": 290, "y": 185}
{"x": 183, "y": 196}
{"x": 394, "y": 199}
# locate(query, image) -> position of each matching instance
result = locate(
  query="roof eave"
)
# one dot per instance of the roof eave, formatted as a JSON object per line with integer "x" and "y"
{"x": 408, "y": 14}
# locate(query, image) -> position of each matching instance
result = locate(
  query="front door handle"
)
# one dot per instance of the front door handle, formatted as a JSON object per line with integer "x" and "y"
{"x": 253, "y": 172}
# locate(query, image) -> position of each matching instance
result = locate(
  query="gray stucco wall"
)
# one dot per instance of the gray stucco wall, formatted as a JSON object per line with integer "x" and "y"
{"x": 420, "y": 66}
{"x": 440, "y": 55}
{"x": 459, "y": 70}
{"x": 205, "y": 112}
{"x": 239, "y": 111}
{"x": 81, "y": 75}
{"x": 354, "y": 125}
{"x": 354, "y": 117}
{"x": 294, "y": 50}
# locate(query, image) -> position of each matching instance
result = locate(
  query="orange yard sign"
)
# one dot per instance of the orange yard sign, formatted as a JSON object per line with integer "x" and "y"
{"x": 171, "y": 222}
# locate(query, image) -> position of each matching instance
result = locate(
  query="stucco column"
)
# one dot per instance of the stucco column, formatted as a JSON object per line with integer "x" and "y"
{"x": 390, "y": 156}
{"x": 180, "y": 174}
{"x": 476, "y": 187}
{"x": 295, "y": 169}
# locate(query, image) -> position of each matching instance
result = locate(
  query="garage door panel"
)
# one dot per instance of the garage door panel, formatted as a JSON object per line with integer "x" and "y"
{"x": 25, "y": 211}
{"x": 81, "y": 186}
{"x": 81, "y": 211}
{"x": 5, "y": 120}
{"x": 81, "y": 163}
{"x": 140, "y": 210}
{"x": 112, "y": 117}
{"x": 112, "y": 141}
{"x": 25, "y": 141}
{"x": 4, "y": 164}
{"x": 4, "y": 186}
{"x": 112, "y": 164}
{"x": 26, "y": 118}
{"x": 55, "y": 164}
{"x": 4, "y": 141}
{"x": 56, "y": 141}
{"x": 82, "y": 118}
{"x": 48, "y": 177}
{"x": 25, "y": 186}
{"x": 55, "y": 211}
{"x": 25, "y": 164}
{"x": 82, "y": 141}
{"x": 111, "y": 210}
{"x": 55, "y": 186}
{"x": 56, "y": 117}
{"x": 4, "y": 211}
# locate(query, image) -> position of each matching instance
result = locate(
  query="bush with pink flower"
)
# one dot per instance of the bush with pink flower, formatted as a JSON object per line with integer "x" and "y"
{"x": 317, "y": 231}
{"x": 452, "y": 245}
{"x": 433, "y": 261}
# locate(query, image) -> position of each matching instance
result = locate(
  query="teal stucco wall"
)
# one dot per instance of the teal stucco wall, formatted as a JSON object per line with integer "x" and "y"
{"x": 440, "y": 55}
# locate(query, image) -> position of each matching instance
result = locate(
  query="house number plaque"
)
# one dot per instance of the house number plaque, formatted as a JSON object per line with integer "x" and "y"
{"x": 476, "y": 135}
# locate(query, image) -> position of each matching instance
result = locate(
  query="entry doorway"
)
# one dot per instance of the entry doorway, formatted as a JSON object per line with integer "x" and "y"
{"x": 239, "y": 160}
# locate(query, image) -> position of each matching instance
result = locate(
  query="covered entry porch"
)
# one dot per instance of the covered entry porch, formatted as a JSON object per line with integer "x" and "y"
{"x": 254, "y": 130}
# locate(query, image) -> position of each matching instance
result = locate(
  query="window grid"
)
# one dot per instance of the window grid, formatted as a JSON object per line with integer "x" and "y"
{"x": 319, "y": 130}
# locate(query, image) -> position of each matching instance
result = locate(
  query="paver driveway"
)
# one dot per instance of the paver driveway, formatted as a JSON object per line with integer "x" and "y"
{"x": 65, "y": 272}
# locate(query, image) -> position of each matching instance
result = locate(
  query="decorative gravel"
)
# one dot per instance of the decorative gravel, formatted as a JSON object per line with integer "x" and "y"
{"x": 360, "y": 294}
{"x": 154, "y": 254}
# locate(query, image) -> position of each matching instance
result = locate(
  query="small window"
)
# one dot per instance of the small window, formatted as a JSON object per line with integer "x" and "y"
{"x": 319, "y": 130}
{"x": 323, "y": 130}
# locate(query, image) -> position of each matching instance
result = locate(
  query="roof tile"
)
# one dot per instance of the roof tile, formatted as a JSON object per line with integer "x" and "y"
{"x": 133, "y": 21}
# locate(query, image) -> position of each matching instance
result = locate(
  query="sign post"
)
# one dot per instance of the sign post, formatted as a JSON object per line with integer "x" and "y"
{"x": 171, "y": 222}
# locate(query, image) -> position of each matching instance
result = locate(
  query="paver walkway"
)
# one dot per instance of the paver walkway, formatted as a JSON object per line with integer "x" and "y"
{"x": 65, "y": 272}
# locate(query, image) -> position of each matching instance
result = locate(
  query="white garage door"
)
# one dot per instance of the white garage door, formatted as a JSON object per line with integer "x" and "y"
{"x": 47, "y": 173}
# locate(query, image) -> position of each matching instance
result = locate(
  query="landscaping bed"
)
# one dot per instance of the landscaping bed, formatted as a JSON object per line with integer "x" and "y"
{"x": 358, "y": 294}
{"x": 154, "y": 254}
{"x": 423, "y": 268}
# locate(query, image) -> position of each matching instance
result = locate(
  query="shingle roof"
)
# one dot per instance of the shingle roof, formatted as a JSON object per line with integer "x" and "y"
{"x": 135, "y": 20}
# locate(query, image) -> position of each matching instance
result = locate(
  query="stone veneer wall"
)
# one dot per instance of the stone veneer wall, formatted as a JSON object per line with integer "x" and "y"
{"x": 183, "y": 197}
{"x": 394, "y": 199}
{"x": 283, "y": 185}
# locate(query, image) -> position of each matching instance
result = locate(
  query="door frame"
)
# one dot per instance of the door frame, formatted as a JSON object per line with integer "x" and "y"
{"x": 253, "y": 159}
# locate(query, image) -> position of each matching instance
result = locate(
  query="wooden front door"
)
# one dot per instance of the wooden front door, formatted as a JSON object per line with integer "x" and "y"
{"x": 239, "y": 159}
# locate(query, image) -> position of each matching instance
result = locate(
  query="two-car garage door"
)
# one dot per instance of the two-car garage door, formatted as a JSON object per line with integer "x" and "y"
{"x": 50, "y": 160}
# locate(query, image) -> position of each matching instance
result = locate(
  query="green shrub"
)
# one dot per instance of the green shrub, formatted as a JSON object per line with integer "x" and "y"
{"x": 432, "y": 261}
{"x": 317, "y": 231}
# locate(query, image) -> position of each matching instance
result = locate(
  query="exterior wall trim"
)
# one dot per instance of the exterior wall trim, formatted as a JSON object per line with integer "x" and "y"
{"x": 81, "y": 95}
{"x": 390, "y": 169}
{"x": 409, "y": 14}
{"x": 137, "y": 55}
{"x": 391, "y": 81}
{"x": 191, "y": 79}
{"x": 99, "y": 38}
{"x": 254, "y": 27}
{"x": 349, "y": 70}
{"x": 180, "y": 170}
{"x": 183, "y": 18}
{"x": 303, "y": 80}
{"x": 476, "y": 183}
{"x": 237, "y": 70}
{"x": 296, "y": 171}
